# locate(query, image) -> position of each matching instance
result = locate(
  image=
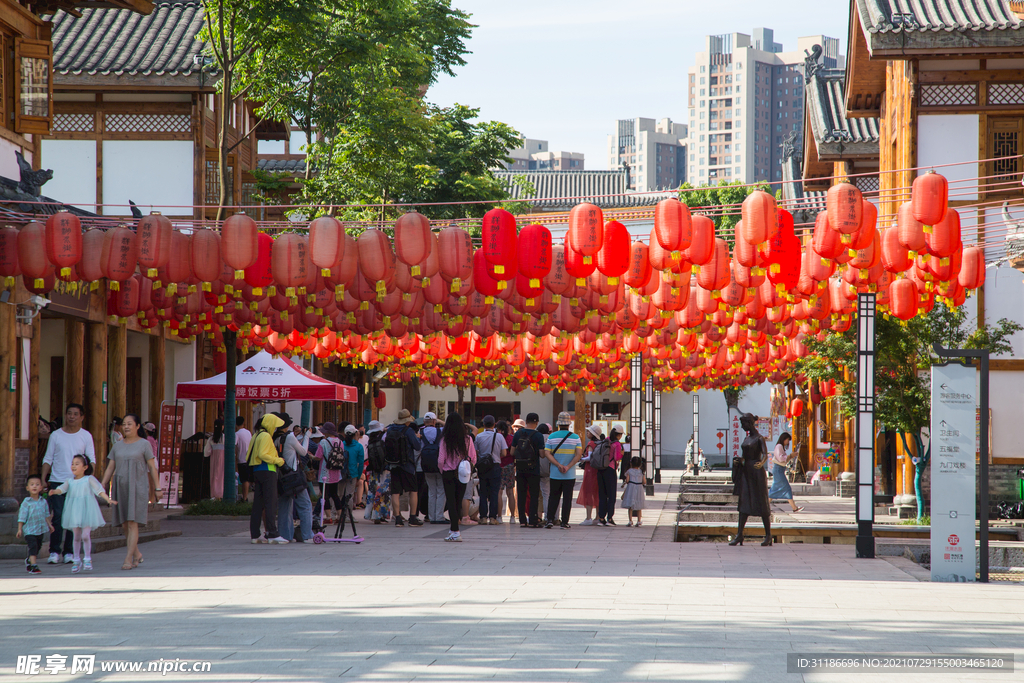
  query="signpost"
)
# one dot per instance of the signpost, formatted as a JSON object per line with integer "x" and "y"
{"x": 171, "y": 418}
{"x": 954, "y": 407}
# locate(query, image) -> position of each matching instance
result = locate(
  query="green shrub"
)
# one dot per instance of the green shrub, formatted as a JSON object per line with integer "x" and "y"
{"x": 220, "y": 507}
{"x": 922, "y": 521}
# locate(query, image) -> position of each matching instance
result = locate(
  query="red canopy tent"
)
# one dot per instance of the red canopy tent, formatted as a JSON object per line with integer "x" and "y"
{"x": 265, "y": 378}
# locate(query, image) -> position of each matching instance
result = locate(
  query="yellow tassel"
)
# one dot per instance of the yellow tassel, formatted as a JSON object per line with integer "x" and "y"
{"x": 437, "y": 308}
{"x": 414, "y": 271}
{"x": 580, "y": 282}
{"x": 587, "y": 260}
{"x": 456, "y": 285}
{"x": 556, "y": 298}
{"x": 115, "y": 286}
{"x": 239, "y": 274}
{"x": 326, "y": 272}
{"x": 928, "y": 229}
{"x": 695, "y": 268}
{"x": 272, "y": 290}
{"x": 499, "y": 270}
{"x": 603, "y": 299}
{"x": 364, "y": 305}
{"x": 172, "y": 289}
{"x": 206, "y": 287}
{"x": 488, "y": 300}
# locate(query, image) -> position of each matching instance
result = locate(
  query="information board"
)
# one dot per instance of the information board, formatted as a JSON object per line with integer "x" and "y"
{"x": 169, "y": 459}
{"x": 954, "y": 410}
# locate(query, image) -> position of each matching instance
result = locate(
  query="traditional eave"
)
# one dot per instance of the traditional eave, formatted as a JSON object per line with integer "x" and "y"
{"x": 865, "y": 79}
{"x": 938, "y": 27}
{"x": 837, "y": 136}
{"x": 561, "y": 190}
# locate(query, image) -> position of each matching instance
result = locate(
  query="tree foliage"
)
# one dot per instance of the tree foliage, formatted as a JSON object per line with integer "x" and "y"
{"x": 724, "y": 194}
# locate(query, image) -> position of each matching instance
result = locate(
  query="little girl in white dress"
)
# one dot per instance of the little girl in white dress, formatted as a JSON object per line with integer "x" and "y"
{"x": 82, "y": 513}
{"x": 634, "y": 497}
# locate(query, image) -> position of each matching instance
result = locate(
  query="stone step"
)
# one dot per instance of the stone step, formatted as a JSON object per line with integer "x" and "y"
{"x": 707, "y": 498}
{"x": 114, "y": 542}
{"x": 111, "y": 530}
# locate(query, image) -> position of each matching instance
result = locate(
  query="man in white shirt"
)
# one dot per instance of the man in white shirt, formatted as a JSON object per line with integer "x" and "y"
{"x": 430, "y": 435}
{"x": 64, "y": 444}
{"x": 242, "y": 439}
{"x": 489, "y": 444}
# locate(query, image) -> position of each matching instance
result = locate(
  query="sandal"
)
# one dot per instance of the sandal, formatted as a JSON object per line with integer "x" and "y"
{"x": 126, "y": 566}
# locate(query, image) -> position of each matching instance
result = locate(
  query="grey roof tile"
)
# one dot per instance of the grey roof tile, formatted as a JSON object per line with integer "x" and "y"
{"x": 557, "y": 190}
{"x": 954, "y": 26}
{"x": 826, "y": 108}
{"x": 282, "y": 165}
{"x": 118, "y": 41}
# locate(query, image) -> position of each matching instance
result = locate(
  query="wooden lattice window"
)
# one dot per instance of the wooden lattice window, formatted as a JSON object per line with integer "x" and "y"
{"x": 867, "y": 183}
{"x": 213, "y": 183}
{"x": 147, "y": 123}
{"x": 948, "y": 94}
{"x": 34, "y": 87}
{"x": 73, "y": 123}
{"x": 250, "y": 199}
{"x": 1004, "y": 145}
{"x": 1006, "y": 93}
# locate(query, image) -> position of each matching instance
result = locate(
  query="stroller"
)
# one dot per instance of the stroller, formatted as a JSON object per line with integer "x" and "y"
{"x": 319, "y": 535}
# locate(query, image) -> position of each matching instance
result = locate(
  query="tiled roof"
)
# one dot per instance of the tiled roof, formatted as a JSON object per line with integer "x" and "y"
{"x": 558, "y": 190}
{"x": 939, "y": 23}
{"x": 826, "y": 108}
{"x": 803, "y": 204}
{"x": 119, "y": 42}
{"x": 282, "y": 165}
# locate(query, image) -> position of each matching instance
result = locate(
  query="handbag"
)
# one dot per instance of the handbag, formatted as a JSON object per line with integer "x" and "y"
{"x": 289, "y": 481}
{"x": 485, "y": 463}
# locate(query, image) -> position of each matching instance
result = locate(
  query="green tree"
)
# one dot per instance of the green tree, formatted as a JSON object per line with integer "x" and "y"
{"x": 722, "y": 202}
{"x": 903, "y": 349}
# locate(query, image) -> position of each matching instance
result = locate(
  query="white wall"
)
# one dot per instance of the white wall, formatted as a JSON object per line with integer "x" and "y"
{"x": 1004, "y": 298}
{"x": 74, "y": 171}
{"x": 1006, "y": 401}
{"x": 946, "y": 139}
{"x": 155, "y": 174}
{"x": 180, "y": 366}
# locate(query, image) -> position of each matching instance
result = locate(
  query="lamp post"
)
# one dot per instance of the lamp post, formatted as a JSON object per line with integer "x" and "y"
{"x": 865, "y": 424}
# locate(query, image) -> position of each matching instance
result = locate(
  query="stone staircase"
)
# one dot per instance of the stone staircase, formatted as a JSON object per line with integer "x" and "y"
{"x": 105, "y": 538}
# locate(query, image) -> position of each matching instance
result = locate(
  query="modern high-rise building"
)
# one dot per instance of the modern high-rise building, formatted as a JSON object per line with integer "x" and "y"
{"x": 745, "y": 99}
{"x": 533, "y": 155}
{"x": 653, "y": 151}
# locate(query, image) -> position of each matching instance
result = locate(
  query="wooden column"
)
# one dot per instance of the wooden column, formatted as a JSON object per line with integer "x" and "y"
{"x": 8, "y": 397}
{"x": 35, "y": 458}
{"x": 74, "y": 384}
{"x": 96, "y": 377}
{"x": 157, "y": 369}
{"x": 581, "y": 415}
{"x": 557, "y": 403}
{"x": 117, "y": 365}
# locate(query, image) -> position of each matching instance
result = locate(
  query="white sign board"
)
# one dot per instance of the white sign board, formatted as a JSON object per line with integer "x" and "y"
{"x": 954, "y": 407}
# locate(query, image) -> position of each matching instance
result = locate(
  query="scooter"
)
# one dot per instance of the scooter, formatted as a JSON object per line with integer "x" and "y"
{"x": 346, "y": 512}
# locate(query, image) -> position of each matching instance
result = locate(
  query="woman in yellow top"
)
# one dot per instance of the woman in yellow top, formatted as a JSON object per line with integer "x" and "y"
{"x": 264, "y": 460}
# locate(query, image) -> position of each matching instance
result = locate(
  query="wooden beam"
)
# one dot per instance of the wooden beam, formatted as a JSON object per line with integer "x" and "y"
{"x": 117, "y": 365}
{"x": 96, "y": 379}
{"x": 157, "y": 365}
{"x": 35, "y": 458}
{"x": 8, "y": 399}
{"x": 74, "y": 341}
{"x": 1006, "y": 364}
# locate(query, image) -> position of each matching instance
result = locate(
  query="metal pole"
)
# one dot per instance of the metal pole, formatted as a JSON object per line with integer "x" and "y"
{"x": 230, "y": 413}
{"x": 865, "y": 424}
{"x": 983, "y": 357}
{"x": 649, "y": 435}
{"x": 657, "y": 437}
{"x": 696, "y": 426}
{"x": 636, "y": 365}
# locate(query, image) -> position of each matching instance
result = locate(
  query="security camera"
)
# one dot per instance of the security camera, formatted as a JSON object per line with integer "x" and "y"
{"x": 380, "y": 374}
{"x": 39, "y": 301}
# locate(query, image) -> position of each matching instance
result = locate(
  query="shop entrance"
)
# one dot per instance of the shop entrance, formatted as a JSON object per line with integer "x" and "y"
{"x": 501, "y": 410}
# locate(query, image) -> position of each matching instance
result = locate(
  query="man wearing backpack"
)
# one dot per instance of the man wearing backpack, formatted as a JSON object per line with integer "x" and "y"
{"x": 527, "y": 446}
{"x": 402, "y": 446}
{"x": 603, "y": 459}
{"x": 430, "y": 437}
{"x": 490, "y": 448}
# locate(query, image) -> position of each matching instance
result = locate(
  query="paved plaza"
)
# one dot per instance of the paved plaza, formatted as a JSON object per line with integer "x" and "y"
{"x": 587, "y": 604}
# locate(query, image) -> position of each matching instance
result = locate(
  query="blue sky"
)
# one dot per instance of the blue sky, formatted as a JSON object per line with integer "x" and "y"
{"x": 566, "y": 70}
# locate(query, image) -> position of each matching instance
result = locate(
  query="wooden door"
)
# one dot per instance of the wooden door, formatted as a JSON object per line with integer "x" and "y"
{"x": 56, "y": 388}
{"x": 133, "y": 388}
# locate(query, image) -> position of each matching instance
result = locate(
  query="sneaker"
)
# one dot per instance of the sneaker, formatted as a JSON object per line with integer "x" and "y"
{"x": 34, "y": 569}
{"x": 76, "y": 567}
{"x": 499, "y": 520}
{"x": 549, "y": 525}
{"x": 611, "y": 522}
{"x": 453, "y": 537}
{"x": 261, "y": 539}
{"x": 629, "y": 523}
{"x": 523, "y": 525}
{"x": 87, "y": 565}
{"x": 602, "y": 522}
{"x": 69, "y": 559}
{"x": 512, "y": 519}
{"x": 415, "y": 521}
{"x": 494, "y": 520}
{"x": 467, "y": 522}
{"x": 278, "y": 540}
{"x": 399, "y": 520}
{"x": 587, "y": 522}
{"x": 564, "y": 526}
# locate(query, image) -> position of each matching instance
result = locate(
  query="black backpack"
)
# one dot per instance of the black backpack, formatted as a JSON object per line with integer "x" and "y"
{"x": 376, "y": 457}
{"x": 526, "y": 454}
{"x": 601, "y": 458}
{"x": 397, "y": 450}
{"x": 335, "y": 457}
{"x": 430, "y": 453}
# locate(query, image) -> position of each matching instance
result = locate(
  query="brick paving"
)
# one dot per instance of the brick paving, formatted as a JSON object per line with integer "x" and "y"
{"x": 587, "y": 604}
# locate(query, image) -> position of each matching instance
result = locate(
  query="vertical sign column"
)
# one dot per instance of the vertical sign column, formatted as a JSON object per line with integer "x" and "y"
{"x": 169, "y": 458}
{"x": 649, "y": 435}
{"x": 636, "y": 366}
{"x": 657, "y": 437}
{"x": 696, "y": 425}
{"x": 865, "y": 424}
{"x": 954, "y": 407}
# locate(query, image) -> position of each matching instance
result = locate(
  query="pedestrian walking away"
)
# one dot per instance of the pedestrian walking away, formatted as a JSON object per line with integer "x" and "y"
{"x": 264, "y": 459}
{"x": 214, "y": 452}
{"x": 430, "y": 437}
{"x": 458, "y": 455}
{"x": 750, "y": 482}
{"x": 64, "y": 444}
{"x": 401, "y": 448}
{"x": 329, "y": 477}
{"x": 563, "y": 451}
{"x": 378, "y": 478}
{"x": 131, "y": 468}
{"x": 634, "y": 497}
{"x": 588, "y": 487}
{"x": 508, "y": 471}
{"x": 781, "y": 490}
{"x": 527, "y": 445}
{"x": 294, "y": 500}
{"x": 81, "y": 511}
{"x": 490, "y": 449}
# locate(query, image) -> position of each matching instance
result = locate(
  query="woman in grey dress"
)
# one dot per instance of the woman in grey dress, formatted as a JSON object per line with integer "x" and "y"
{"x": 131, "y": 464}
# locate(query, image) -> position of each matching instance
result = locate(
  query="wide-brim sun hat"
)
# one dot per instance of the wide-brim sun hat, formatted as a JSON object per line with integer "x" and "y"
{"x": 596, "y": 431}
{"x": 519, "y": 423}
{"x": 329, "y": 428}
{"x": 404, "y": 417}
{"x": 374, "y": 426}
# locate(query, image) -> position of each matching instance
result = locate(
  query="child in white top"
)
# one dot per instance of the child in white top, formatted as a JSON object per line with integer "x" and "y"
{"x": 81, "y": 511}
{"x": 634, "y": 497}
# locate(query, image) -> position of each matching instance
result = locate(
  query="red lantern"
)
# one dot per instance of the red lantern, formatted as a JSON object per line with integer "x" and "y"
{"x": 153, "y": 233}
{"x": 9, "y": 267}
{"x": 910, "y": 231}
{"x": 639, "y": 273}
{"x": 576, "y": 264}
{"x": 929, "y": 198}
{"x": 613, "y": 258}
{"x": 500, "y": 241}
{"x": 289, "y": 260}
{"x": 455, "y": 256}
{"x": 120, "y": 255}
{"x": 90, "y": 268}
{"x": 944, "y": 237}
{"x": 206, "y": 262}
{"x": 586, "y": 230}
{"x": 376, "y": 260}
{"x": 673, "y": 226}
{"x": 972, "y": 268}
{"x": 535, "y": 253}
{"x": 32, "y": 252}
{"x": 797, "y": 407}
{"x": 326, "y": 244}
{"x": 125, "y": 301}
{"x": 63, "y": 241}
{"x": 239, "y": 243}
{"x": 715, "y": 274}
{"x": 759, "y": 218}
{"x": 558, "y": 279}
{"x": 843, "y": 204}
{"x": 413, "y": 240}
{"x": 702, "y": 246}
{"x": 895, "y": 257}
{"x": 259, "y": 274}
{"x": 827, "y": 243}
{"x": 903, "y": 298}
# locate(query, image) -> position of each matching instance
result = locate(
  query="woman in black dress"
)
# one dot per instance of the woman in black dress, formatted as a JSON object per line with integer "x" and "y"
{"x": 750, "y": 482}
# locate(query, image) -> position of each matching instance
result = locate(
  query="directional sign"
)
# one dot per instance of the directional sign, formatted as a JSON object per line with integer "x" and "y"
{"x": 954, "y": 408}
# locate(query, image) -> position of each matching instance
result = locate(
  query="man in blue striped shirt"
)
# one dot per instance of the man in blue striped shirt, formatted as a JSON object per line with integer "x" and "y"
{"x": 564, "y": 449}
